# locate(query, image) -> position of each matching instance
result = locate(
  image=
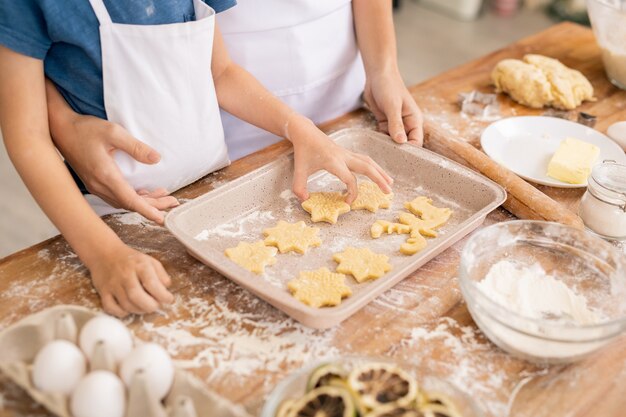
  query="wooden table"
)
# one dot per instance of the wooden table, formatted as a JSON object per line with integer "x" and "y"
{"x": 242, "y": 346}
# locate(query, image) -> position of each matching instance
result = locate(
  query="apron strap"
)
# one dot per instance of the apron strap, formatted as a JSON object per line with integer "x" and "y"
{"x": 101, "y": 12}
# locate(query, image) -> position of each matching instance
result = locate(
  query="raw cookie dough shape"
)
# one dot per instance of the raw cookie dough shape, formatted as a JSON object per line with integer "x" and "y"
{"x": 423, "y": 207}
{"x": 326, "y": 207}
{"x": 383, "y": 226}
{"x": 540, "y": 81}
{"x": 297, "y": 237}
{"x": 362, "y": 263}
{"x": 371, "y": 197}
{"x": 419, "y": 226}
{"x": 252, "y": 256}
{"x": 319, "y": 288}
{"x": 413, "y": 245}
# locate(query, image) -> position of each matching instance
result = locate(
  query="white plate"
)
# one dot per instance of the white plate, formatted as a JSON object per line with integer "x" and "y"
{"x": 525, "y": 145}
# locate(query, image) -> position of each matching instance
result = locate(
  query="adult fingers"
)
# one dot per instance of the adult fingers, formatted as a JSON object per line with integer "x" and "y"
{"x": 361, "y": 167}
{"x": 159, "y": 192}
{"x": 162, "y": 203}
{"x": 300, "y": 179}
{"x": 128, "y": 199}
{"x": 138, "y": 295}
{"x": 112, "y": 307}
{"x": 370, "y": 161}
{"x": 124, "y": 141}
{"x": 153, "y": 285}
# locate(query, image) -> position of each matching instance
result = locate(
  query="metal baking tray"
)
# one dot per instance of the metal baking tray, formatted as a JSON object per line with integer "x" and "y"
{"x": 241, "y": 209}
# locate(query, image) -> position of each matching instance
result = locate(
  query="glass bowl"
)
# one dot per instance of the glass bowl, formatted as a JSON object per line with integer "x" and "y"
{"x": 586, "y": 264}
{"x": 294, "y": 386}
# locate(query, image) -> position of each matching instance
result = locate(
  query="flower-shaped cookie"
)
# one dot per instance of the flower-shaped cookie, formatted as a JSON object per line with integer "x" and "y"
{"x": 319, "y": 288}
{"x": 252, "y": 256}
{"x": 326, "y": 207}
{"x": 371, "y": 197}
{"x": 422, "y": 206}
{"x": 292, "y": 236}
{"x": 362, "y": 263}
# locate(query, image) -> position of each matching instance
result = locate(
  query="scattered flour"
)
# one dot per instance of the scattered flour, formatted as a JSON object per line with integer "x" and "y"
{"x": 232, "y": 342}
{"x": 131, "y": 218}
{"x": 239, "y": 227}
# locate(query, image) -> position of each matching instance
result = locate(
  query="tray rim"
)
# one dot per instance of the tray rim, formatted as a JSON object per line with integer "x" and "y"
{"x": 332, "y": 316}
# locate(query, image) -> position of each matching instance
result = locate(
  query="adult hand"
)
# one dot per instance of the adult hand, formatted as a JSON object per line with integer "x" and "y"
{"x": 394, "y": 108}
{"x": 88, "y": 144}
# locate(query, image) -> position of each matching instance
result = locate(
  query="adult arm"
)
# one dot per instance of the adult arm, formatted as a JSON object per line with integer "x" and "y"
{"x": 385, "y": 93}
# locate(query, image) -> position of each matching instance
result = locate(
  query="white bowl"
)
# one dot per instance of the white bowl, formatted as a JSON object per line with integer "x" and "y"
{"x": 588, "y": 265}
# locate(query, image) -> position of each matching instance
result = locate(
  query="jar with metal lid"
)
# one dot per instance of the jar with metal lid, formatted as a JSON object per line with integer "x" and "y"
{"x": 603, "y": 206}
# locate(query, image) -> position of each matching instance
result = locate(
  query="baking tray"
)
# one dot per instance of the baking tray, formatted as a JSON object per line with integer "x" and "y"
{"x": 241, "y": 209}
{"x": 20, "y": 342}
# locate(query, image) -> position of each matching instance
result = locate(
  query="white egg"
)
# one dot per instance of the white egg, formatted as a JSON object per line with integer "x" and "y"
{"x": 99, "y": 394}
{"x": 617, "y": 132}
{"x": 58, "y": 367}
{"x": 111, "y": 331}
{"x": 155, "y": 363}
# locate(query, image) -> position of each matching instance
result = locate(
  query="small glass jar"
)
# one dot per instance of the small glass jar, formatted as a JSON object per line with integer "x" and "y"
{"x": 603, "y": 206}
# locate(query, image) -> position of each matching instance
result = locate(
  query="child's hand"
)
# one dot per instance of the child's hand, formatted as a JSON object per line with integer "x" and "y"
{"x": 129, "y": 281}
{"x": 394, "y": 108}
{"x": 314, "y": 151}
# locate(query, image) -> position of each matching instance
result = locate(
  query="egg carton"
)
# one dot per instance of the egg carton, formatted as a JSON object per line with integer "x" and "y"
{"x": 20, "y": 343}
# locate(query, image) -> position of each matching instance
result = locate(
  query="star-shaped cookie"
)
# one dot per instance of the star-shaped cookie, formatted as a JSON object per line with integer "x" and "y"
{"x": 383, "y": 226}
{"x": 326, "y": 207}
{"x": 292, "y": 236}
{"x": 362, "y": 263}
{"x": 252, "y": 256}
{"x": 371, "y": 197}
{"x": 319, "y": 288}
{"x": 422, "y": 206}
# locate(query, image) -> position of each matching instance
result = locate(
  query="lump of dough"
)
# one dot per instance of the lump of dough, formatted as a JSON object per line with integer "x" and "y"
{"x": 569, "y": 87}
{"x": 538, "y": 81}
{"x": 524, "y": 83}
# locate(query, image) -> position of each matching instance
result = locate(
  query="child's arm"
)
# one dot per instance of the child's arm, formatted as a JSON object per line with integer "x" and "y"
{"x": 385, "y": 92}
{"x": 240, "y": 94}
{"x": 88, "y": 143}
{"x": 119, "y": 273}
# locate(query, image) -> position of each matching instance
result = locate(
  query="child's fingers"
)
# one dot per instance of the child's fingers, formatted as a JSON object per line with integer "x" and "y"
{"x": 124, "y": 302}
{"x": 138, "y": 295}
{"x": 300, "y": 179}
{"x": 347, "y": 177}
{"x": 361, "y": 167}
{"x": 111, "y": 306}
{"x": 396, "y": 126}
{"x": 413, "y": 123}
{"x": 162, "y": 275}
{"x": 154, "y": 286}
{"x": 382, "y": 172}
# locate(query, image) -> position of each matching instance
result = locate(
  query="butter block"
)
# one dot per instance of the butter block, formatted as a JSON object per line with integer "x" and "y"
{"x": 572, "y": 161}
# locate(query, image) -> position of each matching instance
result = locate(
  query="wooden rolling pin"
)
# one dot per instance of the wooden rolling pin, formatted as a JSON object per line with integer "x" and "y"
{"x": 524, "y": 200}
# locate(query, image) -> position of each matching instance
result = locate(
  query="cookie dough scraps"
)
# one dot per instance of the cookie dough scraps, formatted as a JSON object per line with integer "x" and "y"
{"x": 362, "y": 263}
{"x": 319, "y": 288}
{"x": 383, "y": 226}
{"x": 296, "y": 237}
{"x": 252, "y": 256}
{"x": 326, "y": 207}
{"x": 371, "y": 198}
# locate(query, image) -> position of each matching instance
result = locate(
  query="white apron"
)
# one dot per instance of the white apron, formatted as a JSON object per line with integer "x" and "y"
{"x": 303, "y": 51}
{"x": 158, "y": 85}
